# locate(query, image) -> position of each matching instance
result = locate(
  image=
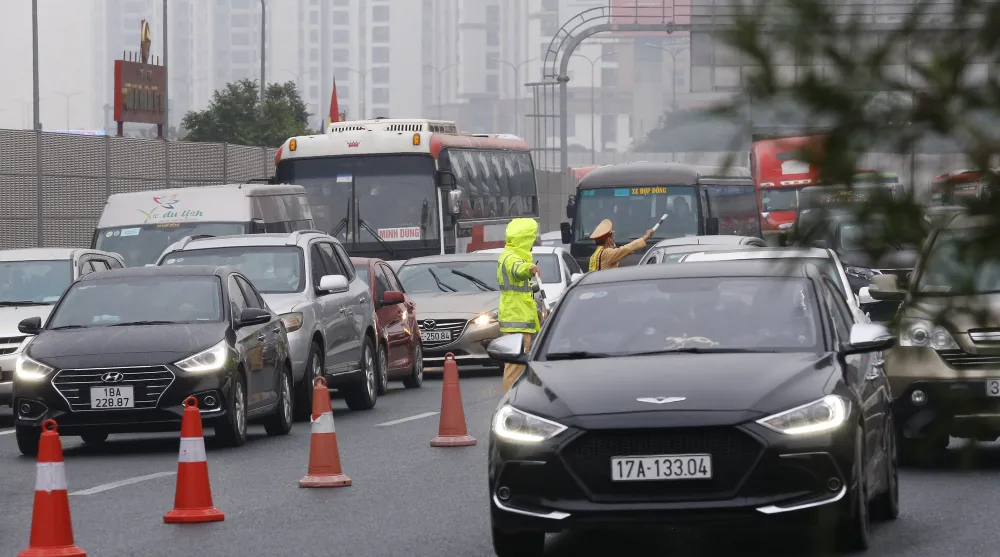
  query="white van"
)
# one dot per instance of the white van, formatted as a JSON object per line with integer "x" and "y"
{"x": 140, "y": 225}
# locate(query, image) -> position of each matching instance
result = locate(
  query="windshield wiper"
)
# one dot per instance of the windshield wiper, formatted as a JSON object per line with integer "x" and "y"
{"x": 474, "y": 280}
{"x": 127, "y": 323}
{"x": 69, "y": 327}
{"x": 700, "y": 350}
{"x": 23, "y": 303}
{"x": 442, "y": 286}
{"x": 374, "y": 233}
{"x": 578, "y": 355}
{"x": 342, "y": 224}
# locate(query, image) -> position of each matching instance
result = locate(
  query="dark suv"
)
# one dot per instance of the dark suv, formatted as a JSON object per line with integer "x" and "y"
{"x": 122, "y": 350}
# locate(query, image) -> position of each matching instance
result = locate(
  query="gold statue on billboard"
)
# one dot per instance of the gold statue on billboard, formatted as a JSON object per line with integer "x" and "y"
{"x": 146, "y": 41}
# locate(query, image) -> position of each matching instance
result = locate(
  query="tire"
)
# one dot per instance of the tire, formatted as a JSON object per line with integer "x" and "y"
{"x": 929, "y": 450}
{"x": 302, "y": 409}
{"x": 94, "y": 438}
{"x": 280, "y": 423}
{"x": 233, "y": 433}
{"x": 416, "y": 377}
{"x": 886, "y": 504}
{"x": 383, "y": 370}
{"x": 854, "y": 528}
{"x": 363, "y": 393}
{"x": 27, "y": 439}
{"x": 518, "y": 544}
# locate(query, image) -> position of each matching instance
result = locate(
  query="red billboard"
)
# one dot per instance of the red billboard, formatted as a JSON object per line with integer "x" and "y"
{"x": 140, "y": 94}
{"x": 649, "y": 12}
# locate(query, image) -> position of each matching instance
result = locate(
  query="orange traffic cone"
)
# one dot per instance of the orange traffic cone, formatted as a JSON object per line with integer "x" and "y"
{"x": 451, "y": 429}
{"x": 51, "y": 527}
{"x": 193, "y": 497}
{"x": 324, "y": 455}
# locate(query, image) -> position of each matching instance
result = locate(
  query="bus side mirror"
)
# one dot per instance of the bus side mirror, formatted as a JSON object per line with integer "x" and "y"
{"x": 712, "y": 226}
{"x": 257, "y": 226}
{"x": 571, "y": 207}
{"x": 454, "y": 201}
{"x": 567, "y": 233}
{"x": 445, "y": 179}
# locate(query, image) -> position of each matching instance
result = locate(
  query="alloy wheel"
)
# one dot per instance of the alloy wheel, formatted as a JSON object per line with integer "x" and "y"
{"x": 239, "y": 406}
{"x": 317, "y": 370}
{"x": 383, "y": 366}
{"x": 369, "y": 373}
{"x": 418, "y": 365}
{"x": 286, "y": 397}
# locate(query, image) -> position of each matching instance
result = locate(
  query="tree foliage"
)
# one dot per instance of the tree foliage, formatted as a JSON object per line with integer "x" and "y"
{"x": 235, "y": 116}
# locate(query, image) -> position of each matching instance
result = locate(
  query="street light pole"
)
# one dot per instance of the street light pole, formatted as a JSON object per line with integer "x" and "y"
{"x": 68, "y": 96}
{"x": 37, "y": 125}
{"x": 673, "y": 70}
{"x": 263, "y": 19}
{"x": 440, "y": 73}
{"x": 517, "y": 87}
{"x": 593, "y": 109}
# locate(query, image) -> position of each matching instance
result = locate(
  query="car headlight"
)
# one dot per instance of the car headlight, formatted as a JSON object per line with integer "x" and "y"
{"x": 827, "y": 413}
{"x": 919, "y": 332}
{"x": 860, "y": 272}
{"x": 487, "y": 318}
{"x": 208, "y": 360}
{"x": 27, "y": 369}
{"x": 520, "y": 427}
{"x": 292, "y": 321}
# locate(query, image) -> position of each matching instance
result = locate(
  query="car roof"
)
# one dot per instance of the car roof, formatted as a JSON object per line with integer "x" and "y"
{"x": 452, "y": 257}
{"x": 695, "y": 270}
{"x": 366, "y": 260}
{"x": 241, "y": 240}
{"x": 698, "y": 248}
{"x": 168, "y": 271}
{"x": 556, "y": 235}
{"x": 534, "y": 249}
{"x": 695, "y": 240}
{"x": 47, "y": 254}
{"x": 758, "y": 253}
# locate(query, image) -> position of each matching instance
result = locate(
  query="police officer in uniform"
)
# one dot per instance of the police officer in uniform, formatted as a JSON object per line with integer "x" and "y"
{"x": 608, "y": 255}
{"x": 518, "y": 312}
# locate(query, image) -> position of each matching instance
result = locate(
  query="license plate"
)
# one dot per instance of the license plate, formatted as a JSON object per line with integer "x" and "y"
{"x": 661, "y": 467}
{"x": 435, "y": 336}
{"x": 112, "y": 397}
{"x": 993, "y": 387}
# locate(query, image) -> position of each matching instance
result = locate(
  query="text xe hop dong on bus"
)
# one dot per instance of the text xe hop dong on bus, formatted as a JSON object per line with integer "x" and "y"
{"x": 698, "y": 201}
{"x": 397, "y": 189}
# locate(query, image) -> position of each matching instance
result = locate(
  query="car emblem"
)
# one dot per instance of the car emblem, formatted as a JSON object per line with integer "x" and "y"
{"x": 430, "y": 324}
{"x": 662, "y": 399}
{"x": 112, "y": 377}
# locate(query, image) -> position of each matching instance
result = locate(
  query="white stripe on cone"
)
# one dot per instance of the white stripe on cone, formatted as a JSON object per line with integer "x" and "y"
{"x": 323, "y": 424}
{"x": 51, "y": 477}
{"x": 192, "y": 449}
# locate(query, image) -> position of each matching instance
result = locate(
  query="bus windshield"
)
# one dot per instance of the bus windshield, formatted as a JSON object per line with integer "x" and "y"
{"x": 634, "y": 210}
{"x": 780, "y": 199}
{"x": 393, "y": 195}
{"x": 143, "y": 245}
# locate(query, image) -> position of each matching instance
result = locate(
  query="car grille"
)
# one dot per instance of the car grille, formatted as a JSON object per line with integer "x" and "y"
{"x": 959, "y": 359}
{"x": 985, "y": 335}
{"x": 149, "y": 382}
{"x": 456, "y": 326}
{"x": 733, "y": 456}
{"x": 9, "y": 344}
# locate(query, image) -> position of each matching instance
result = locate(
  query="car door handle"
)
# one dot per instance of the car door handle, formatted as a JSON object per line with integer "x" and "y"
{"x": 362, "y": 300}
{"x": 276, "y": 329}
{"x": 260, "y": 336}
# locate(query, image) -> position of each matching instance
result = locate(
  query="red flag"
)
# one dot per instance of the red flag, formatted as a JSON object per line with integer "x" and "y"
{"x": 334, "y": 108}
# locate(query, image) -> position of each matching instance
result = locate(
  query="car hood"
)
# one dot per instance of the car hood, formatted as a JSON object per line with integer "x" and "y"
{"x": 283, "y": 303}
{"x": 464, "y": 304}
{"x": 11, "y": 316}
{"x": 892, "y": 259}
{"x": 123, "y": 346}
{"x": 757, "y": 383}
{"x": 958, "y": 314}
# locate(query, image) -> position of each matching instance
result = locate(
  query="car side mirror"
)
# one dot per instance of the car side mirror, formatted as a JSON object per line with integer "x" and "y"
{"x": 508, "y": 349}
{"x": 455, "y": 201}
{"x": 885, "y": 288}
{"x": 570, "y": 209}
{"x": 567, "y": 232}
{"x": 445, "y": 179}
{"x": 865, "y": 297}
{"x": 712, "y": 226}
{"x": 334, "y": 283}
{"x": 869, "y": 337}
{"x": 575, "y": 277}
{"x": 391, "y": 297}
{"x": 30, "y": 326}
{"x": 257, "y": 226}
{"x": 253, "y": 316}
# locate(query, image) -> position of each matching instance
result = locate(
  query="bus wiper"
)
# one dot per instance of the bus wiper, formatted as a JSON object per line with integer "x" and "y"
{"x": 342, "y": 224}
{"x": 482, "y": 285}
{"x": 444, "y": 287}
{"x": 374, "y": 233}
{"x": 14, "y": 303}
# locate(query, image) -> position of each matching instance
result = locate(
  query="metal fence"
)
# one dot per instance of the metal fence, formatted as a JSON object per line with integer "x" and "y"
{"x": 59, "y": 201}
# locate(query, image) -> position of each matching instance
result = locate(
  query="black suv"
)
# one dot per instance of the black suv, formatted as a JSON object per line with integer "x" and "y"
{"x": 122, "y": 350}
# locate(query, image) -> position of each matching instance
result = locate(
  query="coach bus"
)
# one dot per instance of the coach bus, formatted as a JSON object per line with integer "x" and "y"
{"x": 402, "y": 188}
{"x": 697, "y": 200}
{"x": 952, "y": 188}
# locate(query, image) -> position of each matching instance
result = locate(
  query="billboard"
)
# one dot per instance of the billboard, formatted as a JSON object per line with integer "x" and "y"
{"x": 140, "y": 90}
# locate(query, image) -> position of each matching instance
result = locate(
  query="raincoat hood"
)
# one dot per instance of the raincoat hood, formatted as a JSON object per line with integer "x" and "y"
{"x": 521, "y": 234}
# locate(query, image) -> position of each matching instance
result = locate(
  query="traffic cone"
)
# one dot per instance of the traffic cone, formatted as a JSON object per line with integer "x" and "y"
{"x": 51, "y": 527}
{"x": 324, "y": 455}
{"x": 451, "y": 429}
{"x": 193, "y": 497}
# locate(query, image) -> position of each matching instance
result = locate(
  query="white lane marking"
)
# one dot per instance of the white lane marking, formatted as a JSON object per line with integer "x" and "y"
{"x": 410, "y": 419}
{"x": 121, "y": 483}
{"x": 6, "y": 432}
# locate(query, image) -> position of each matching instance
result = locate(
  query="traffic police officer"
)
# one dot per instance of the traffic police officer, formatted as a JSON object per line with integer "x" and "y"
{"x": 518, "y": 312}
{"x": 608, "y": 255}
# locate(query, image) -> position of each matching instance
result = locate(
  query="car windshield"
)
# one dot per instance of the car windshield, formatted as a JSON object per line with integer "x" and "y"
{"x": 34, "y": 282}
{"x": 548, "y": 265}
{"x": 633, "y": 211}
{"x": 780, "y": 199}
{"x": 140, "y": 300}
{"x": 363, "y": 273}
{"x": 143, "y": 245}
{"x": 450, "y": 276}
{"x": 957, "y": 264}
{"x": 709, "y": 313}
{"x": 272, "y": 270}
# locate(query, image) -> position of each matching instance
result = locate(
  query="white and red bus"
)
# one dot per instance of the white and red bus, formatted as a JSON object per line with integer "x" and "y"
{"x": 401, "y": 188}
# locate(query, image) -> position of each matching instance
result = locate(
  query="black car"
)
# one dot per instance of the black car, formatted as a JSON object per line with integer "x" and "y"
{"x": 662, "y": 394}
{"x": 122, "y": 350}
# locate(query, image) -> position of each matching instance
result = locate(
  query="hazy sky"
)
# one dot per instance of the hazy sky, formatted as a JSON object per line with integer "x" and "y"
{"x": 65, "y": 48}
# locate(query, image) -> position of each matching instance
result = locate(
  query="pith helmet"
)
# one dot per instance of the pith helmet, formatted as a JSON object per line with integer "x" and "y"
{"x": 602, "y": 230}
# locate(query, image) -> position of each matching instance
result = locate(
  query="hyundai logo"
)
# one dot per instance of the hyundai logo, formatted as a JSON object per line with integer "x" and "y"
{"x": 430, "y": 324}
{"x": 113, "y": 377}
